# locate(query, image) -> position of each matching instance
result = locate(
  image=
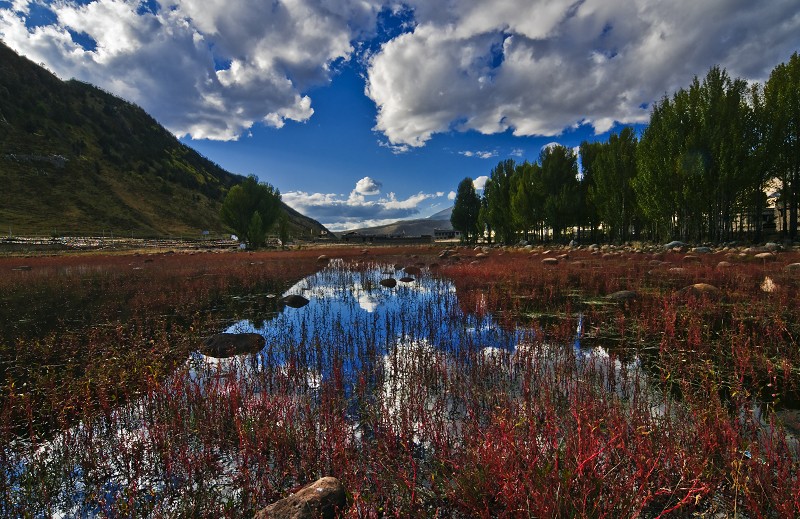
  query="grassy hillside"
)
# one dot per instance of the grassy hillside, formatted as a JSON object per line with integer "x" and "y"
{"x": 77, "y": 160}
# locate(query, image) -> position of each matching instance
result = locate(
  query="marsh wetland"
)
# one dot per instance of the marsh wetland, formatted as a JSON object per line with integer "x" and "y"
{"x": 481, "y": 383}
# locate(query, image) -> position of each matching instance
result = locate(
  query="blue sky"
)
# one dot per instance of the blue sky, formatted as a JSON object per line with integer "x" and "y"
{"x": 368, "y": 111}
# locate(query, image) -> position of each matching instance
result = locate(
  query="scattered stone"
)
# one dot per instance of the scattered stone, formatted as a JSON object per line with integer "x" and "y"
{"x": 623, "y": 296}
{"x": 481, "y": 255}
{"x": 691, "y": 259}
{"x": 224, "y": 345}
{"x": 295, "y": 301}
{"x": 702, "y": 250}
{"x": 699, "y": 289}
{"x": 323, "y": 259}
{"x": 773, "y": 247}
{"x": 573, "y": 243}
{"x": 792, "y": 267}
{"x": 389, "y": 282}
{"x": 724, "y": 265}
{"x": 766, "y": 256}
{"x": 412, "y": 270}
{"x": 325, "y": 498}
{"x": 550, "y": 261}
{"x": 674, "y": 245}
{"x": 677, "y": 270}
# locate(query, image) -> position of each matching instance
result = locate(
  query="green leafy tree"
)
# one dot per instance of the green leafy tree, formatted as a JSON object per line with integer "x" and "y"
{"x": 526, "y": 198}
{"x": 484, "y": 223}
{"x": 283, "y": 229}
{"x": 498, "y": 196}
{"x": 251, "y": 209}
{"x": 782, "y": 128}
{"x": 695, "y": 159}
{"x": 256, "y": 233}
{"x": 657, "y": 190}
{"x": 560, "y": 186}
{"x": 466, "y": 209}
{"x": 613, "y": 169}
{"x": 588, "y": 215}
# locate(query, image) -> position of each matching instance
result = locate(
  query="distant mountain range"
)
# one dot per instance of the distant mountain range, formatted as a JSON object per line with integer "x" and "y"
{"x": 418, "y": 227}
{"x": 75, "y": 159}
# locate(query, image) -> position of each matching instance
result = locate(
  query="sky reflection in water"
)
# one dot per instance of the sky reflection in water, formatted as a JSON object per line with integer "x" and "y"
{"x": 353, "y": 319}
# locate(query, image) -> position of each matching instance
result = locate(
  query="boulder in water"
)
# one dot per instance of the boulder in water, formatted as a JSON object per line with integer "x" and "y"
{"x": 224, "y": 345}
{"x": 295, "y": 301}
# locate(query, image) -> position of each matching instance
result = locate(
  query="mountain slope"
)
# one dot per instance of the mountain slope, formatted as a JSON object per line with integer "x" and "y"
{"x": 77, "y": 160}
{"x": 417, "y": 227}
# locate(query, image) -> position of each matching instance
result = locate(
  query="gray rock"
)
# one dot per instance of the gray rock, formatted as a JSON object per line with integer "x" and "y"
{"x": 765, "y": 256}
{"x": 702, "y": 250}
{"x": 674, "y": 245}
{"x": 325, "y": 498}
{"x": 699, "y": 289}
{"x": 623, "y": 296}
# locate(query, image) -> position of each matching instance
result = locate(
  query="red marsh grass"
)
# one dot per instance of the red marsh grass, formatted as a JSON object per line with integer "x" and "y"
{"x": 676, "y": 408}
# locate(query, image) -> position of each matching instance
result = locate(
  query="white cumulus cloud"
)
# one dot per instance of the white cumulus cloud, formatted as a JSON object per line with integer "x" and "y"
{"x": 339, "y": 211}
{"x": 479, "y": 154}
{"x": 538, "y": 67}
{"x": 207, "y": 68}
{"x": 480, "y": 182}
{"x": 368, "y": 186}
{"x": 213, "y": 68}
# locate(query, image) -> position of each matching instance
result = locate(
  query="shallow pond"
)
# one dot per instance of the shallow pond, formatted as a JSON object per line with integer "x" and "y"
{"x": 359, "y": 369}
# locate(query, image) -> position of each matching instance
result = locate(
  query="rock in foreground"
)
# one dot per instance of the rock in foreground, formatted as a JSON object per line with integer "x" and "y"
{"x": 325, "y": 498}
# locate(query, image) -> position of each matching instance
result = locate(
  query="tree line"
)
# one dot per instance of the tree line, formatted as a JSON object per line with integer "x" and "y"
{"x": 698, "y": 172}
